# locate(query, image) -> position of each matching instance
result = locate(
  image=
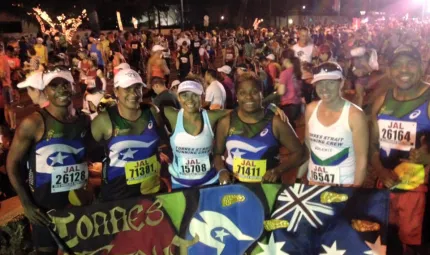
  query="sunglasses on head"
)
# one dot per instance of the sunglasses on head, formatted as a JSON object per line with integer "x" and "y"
{"x": 326, "y": 67}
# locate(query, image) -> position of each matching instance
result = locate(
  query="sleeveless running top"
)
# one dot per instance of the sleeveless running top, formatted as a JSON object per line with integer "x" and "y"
{"x": 251, "y": 152}
{"x": 132, "y": 167}
{"x": 184, "y": 60}
{"x": 332, "y": 152}
{"x": 96, "y": 51}
{"x": 57, "y": 162}
{"x": 401, "y": 126}
{"x": 192, "y": 155}
{"x": 229, "y": 54}
{"x": 156, "y": 71}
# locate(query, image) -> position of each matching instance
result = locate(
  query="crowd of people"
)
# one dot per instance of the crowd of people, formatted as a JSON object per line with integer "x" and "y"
{"x": 193, "y": 108}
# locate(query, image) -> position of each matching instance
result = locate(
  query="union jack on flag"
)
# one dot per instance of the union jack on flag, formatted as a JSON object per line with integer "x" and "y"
{"x": 319, "y": 226}
{"x": 300, "y": 202}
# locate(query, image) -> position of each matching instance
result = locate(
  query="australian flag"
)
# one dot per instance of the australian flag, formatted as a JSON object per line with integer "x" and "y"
{"x": 329, "y": 220}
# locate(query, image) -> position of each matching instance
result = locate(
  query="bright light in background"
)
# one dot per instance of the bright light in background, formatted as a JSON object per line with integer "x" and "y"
{"x": 290, "y": 21}
{"x": 363, "y": 13}
{"x": 304, "y": 7}
{"x": 222, "y": 17}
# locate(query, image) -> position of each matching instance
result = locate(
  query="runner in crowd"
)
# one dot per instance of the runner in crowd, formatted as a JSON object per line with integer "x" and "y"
{"x": 336, "y": 133}
{"x": 251, "y": 137}
{"x": 54, "y": 141}
{"x": 157, "y": 67}
{"x": 132, "y": 141}
{"x": 215, "y": 95}
{"x": 230, "y": 53}
{"x": 400, "y": 128}
{"x": 290, "y": 86}
{"x": 184, "y": 61}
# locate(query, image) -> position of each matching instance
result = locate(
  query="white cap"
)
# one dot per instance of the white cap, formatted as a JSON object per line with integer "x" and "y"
{"x": 157, "y": 48}
{"x": 271, "y": 57}
{"x": 122, "y": 66}
{"x": 34, "y": 80}
{"x": 39, "y": 39}
{"x": 191, "y": 86}
{"x": 126, "y": 78}
{"x": 175, "y": 83}
{"x": 50, "y": 75}
{"x": 224, "y": 69}
{"x": 325, "y": 74}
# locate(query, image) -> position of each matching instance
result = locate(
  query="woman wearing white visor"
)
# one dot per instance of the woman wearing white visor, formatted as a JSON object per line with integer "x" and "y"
{"x": 192, "y": 138}
{"x": 336, "y": 133}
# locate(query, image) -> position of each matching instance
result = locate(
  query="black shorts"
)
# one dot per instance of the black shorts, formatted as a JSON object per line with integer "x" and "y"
{"x": 42, "y": 238}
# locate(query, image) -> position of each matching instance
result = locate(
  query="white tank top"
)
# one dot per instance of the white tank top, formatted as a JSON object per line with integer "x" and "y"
{"x": 304, "y": 53}
{"x": 332, "y": 152}
{"x": 191, "y": 165}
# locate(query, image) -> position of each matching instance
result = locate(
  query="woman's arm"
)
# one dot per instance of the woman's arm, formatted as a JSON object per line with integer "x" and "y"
{"x": 219, "y": 150}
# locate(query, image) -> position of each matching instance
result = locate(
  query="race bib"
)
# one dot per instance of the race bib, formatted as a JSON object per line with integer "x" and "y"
{"x": 398, "y": 135}
{"x": 194, "y": 166}
{"x": 134, "y": 46}
{"x": 184, "y": 60}
{"x": 229, "y": 56}
{"x": 196, "y": 44}
{"x": 324, "y": 174}
{"x": 66, "y": 178}
{"x": 247, "y": 170}
{"x": 138, "y": 171}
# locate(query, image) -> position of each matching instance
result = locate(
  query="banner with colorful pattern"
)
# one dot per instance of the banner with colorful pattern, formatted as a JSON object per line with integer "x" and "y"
{"x": 234, "y": 219}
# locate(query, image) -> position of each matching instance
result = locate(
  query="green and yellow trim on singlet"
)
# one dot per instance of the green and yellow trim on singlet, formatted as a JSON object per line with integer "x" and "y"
{"x": 392, "y": 107}
{"x": 333, "y": 160}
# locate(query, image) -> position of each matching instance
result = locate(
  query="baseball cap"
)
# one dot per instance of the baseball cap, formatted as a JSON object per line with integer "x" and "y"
{"x": 175, "y": 83}
{"x": 126, "y": 78}
{"x": 34, "y": 80}
{"x": 57, "y": 72}
{"x": 327, "y": 71}
{"x": 271, "y": 57}
{"x": 157, "y": 48}
{"x": 191, "y": 86}
{"x": 224, "y": 69}
{"x": 122, "y": 66}
{"x": 405, "y": 50}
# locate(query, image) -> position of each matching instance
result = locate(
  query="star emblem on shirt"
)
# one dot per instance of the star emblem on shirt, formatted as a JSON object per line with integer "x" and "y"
{"x": 237, "y": 153}
{"x": 128, "y": 154}
{"x": 58, "y": 159}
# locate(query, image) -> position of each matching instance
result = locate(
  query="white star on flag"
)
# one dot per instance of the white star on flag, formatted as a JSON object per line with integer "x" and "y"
{"x": 376, "y": 248}
{"x": 272, "y": 248}
{"x": 128, "y": 154}
{"x": 332, "y": 250}
{"x": 58, "y": 159}
{"x": 220, "y": 234}
{"x": 296, "y": 200}
{"x": 237, "y": 153}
